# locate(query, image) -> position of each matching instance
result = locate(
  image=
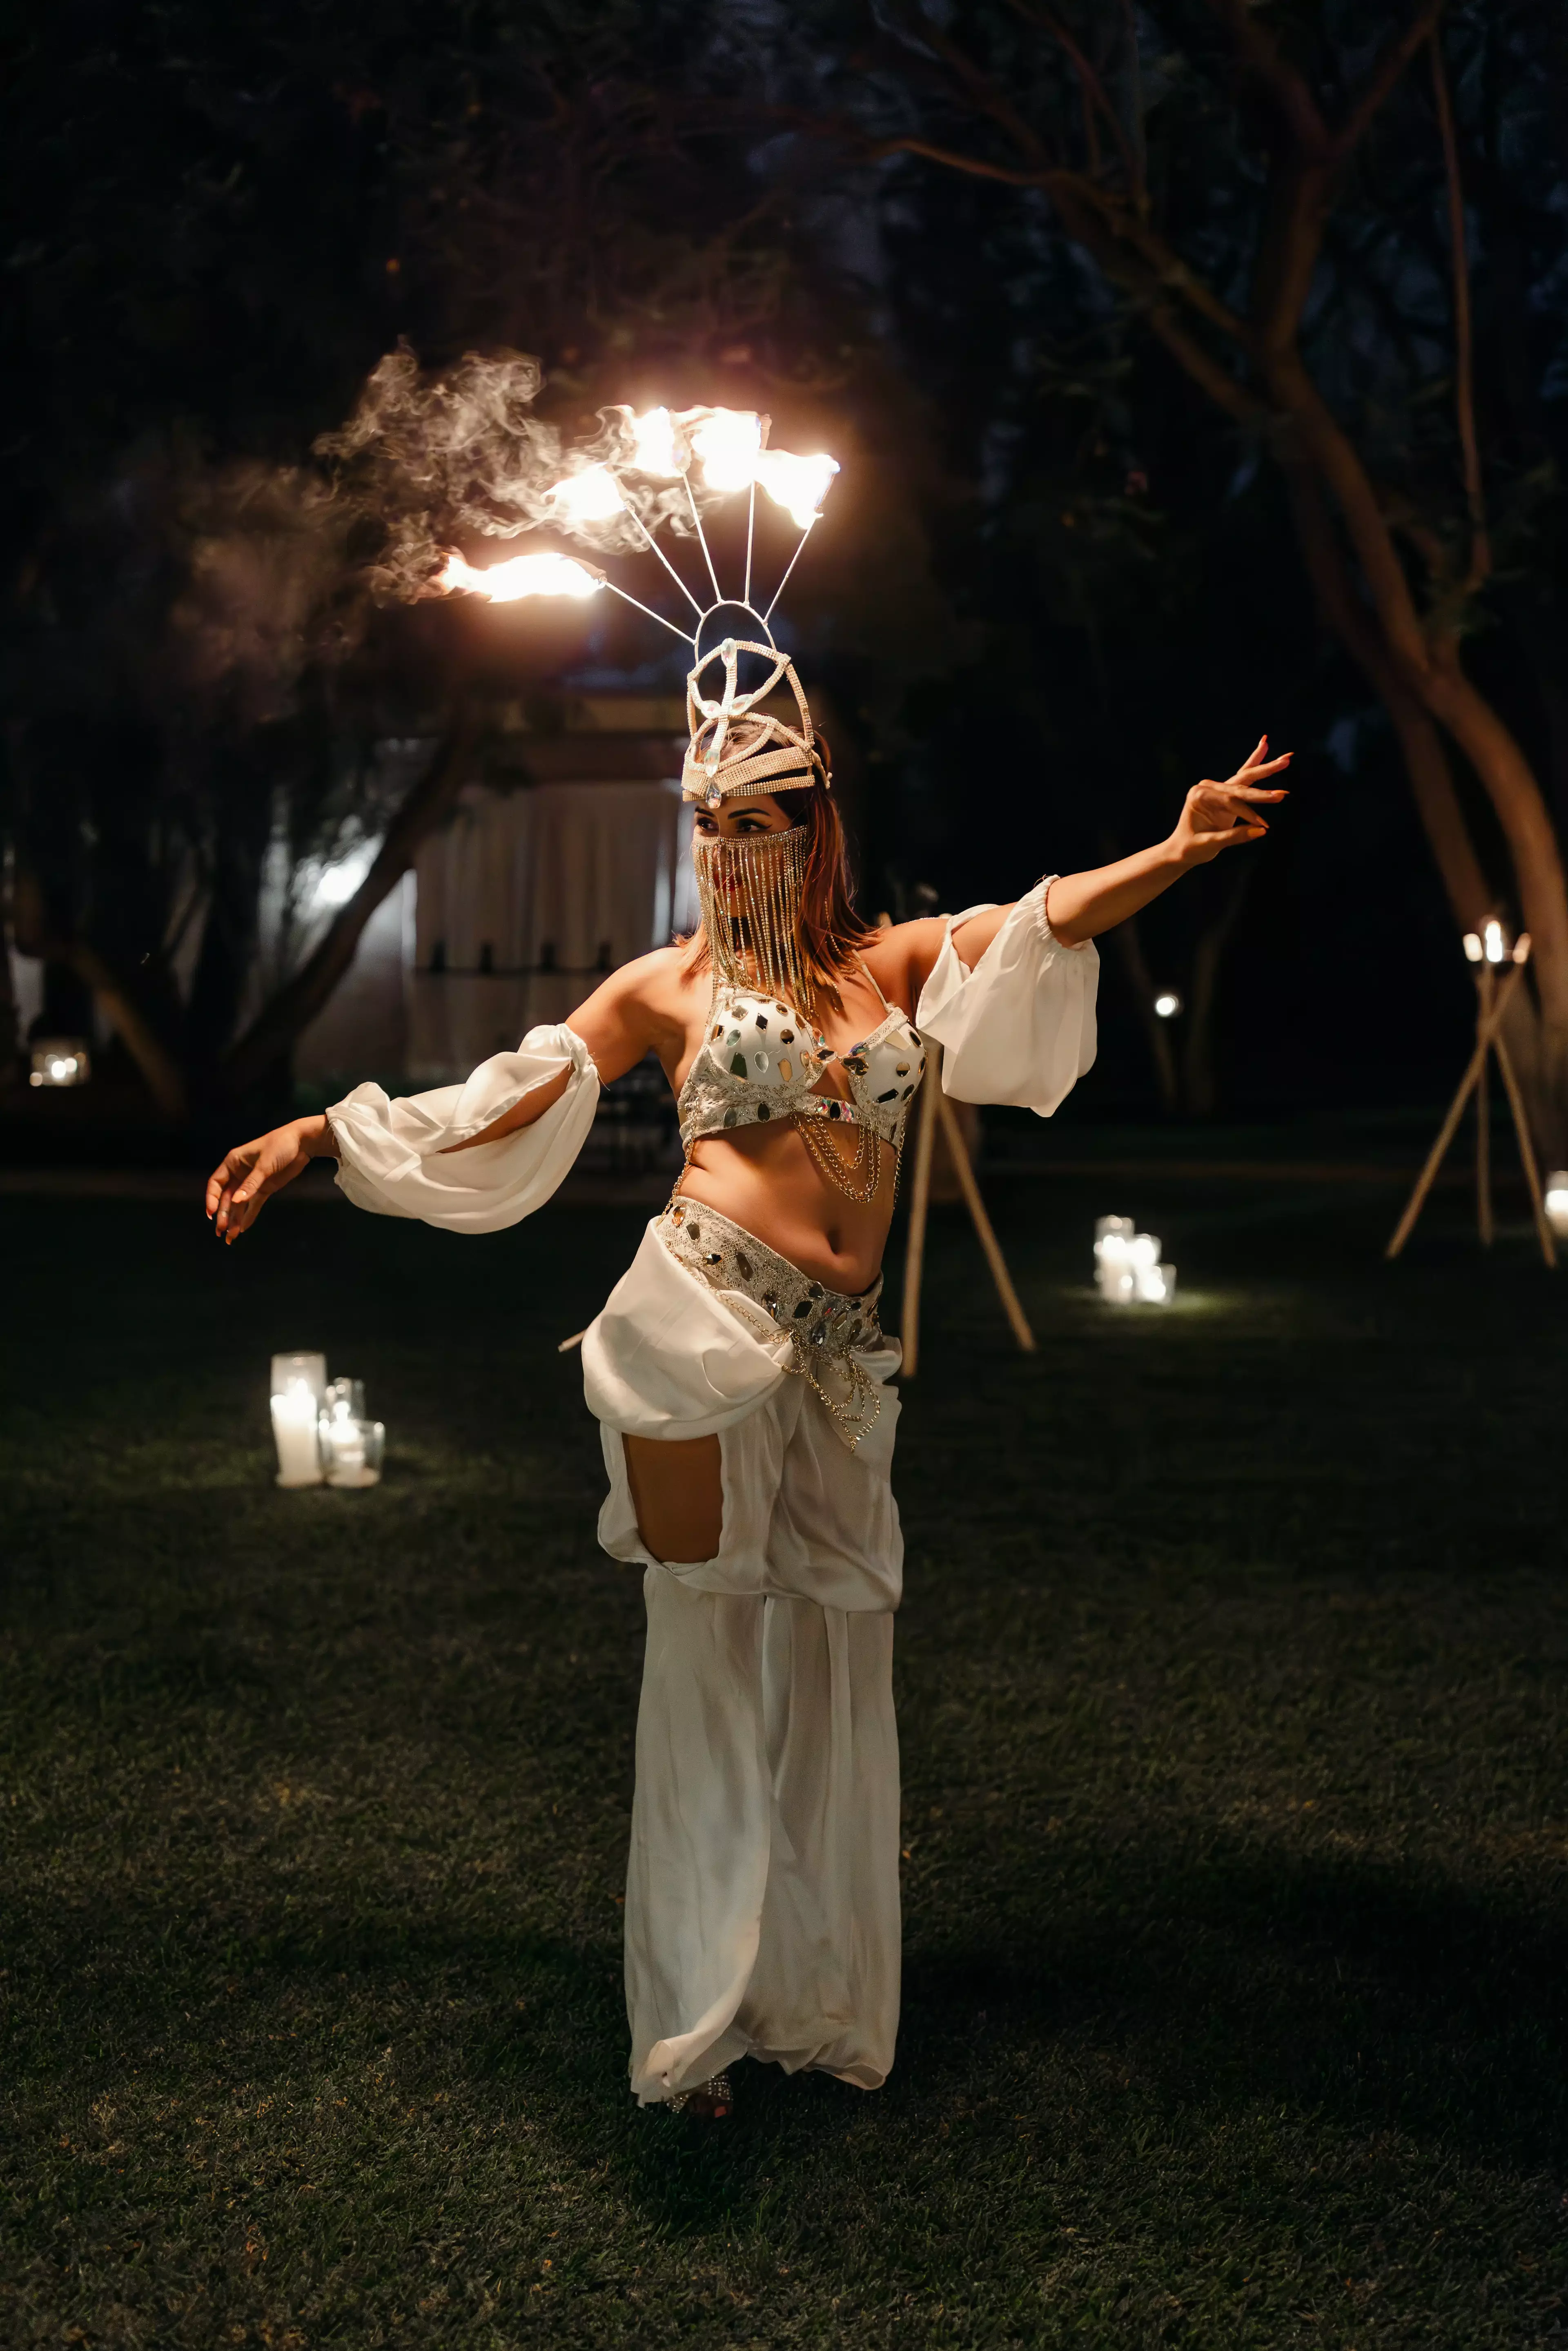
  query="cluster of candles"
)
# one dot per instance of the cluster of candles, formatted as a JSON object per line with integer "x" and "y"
{"x": 1127, "y": 1268}
{"x": 320, "y": 1427}
{"x": 60, "y": 1062}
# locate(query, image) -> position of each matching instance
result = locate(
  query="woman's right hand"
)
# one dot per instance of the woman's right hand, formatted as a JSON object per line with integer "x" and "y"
{"x": 255, "y": 1171}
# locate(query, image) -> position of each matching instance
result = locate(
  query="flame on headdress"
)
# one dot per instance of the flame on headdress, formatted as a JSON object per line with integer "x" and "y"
{"x": 462, "y": 453}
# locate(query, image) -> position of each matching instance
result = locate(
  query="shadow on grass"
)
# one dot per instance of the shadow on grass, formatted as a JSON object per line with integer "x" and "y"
{"x": 1237, "y": 1981}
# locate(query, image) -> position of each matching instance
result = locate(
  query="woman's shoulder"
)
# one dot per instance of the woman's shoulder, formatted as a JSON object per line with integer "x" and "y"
{"x": 657, "y": 977}
{"x": 901, "y": 957}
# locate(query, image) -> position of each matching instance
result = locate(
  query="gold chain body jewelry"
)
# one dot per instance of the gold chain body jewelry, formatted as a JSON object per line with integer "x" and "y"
{"x": 858, "y": 1179}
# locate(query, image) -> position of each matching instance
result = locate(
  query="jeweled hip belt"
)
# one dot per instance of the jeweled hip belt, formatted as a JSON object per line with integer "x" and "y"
{"x": 827, "y": 1328}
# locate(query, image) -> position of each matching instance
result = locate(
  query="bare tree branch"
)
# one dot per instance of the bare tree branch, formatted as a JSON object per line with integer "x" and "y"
{"x": 1464, "y": 353}
{"x": 977, "y": 166}
{"x": 1096, "y": 97}
{"x": 1258, "y": 55}
{"x": 1425, "y": 760}
{"x": 986, "y": 94}
{"x": 1221, "y": 386}
{"x": 1379, "y": 84}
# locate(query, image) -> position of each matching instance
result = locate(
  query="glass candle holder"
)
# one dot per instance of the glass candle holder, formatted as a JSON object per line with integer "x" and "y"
{"x": 351, "y": 1444}
{"x": 294, "y": 1424}
{"x": 299, "y": 1385}
{"x": 1128, "y": 1271}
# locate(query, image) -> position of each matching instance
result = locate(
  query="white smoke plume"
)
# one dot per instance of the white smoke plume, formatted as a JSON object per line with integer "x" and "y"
{"x": 432, "y": 461}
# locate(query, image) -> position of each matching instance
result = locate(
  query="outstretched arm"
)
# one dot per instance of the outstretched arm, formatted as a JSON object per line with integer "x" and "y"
{"x": 615, "y": 1024}
{"x": 1214, "y": 817}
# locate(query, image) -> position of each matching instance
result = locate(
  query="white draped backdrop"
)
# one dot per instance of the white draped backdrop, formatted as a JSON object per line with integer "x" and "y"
{"x": 525, "y": 898}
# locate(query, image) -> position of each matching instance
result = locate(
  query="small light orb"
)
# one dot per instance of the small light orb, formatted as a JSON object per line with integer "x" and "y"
{"x": 1557, "y": 1202}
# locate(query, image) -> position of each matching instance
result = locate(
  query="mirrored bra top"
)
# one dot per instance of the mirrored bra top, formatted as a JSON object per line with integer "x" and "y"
{"x": 760, "y": 1060}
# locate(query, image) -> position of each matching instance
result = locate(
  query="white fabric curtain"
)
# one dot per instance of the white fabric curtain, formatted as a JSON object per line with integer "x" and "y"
{"x": 526, "y": 897}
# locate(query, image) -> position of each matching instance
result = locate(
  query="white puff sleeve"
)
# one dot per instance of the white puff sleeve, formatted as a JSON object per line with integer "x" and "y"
{"x": 1019, "y": 1028}
{"x": 390, "y": 1152}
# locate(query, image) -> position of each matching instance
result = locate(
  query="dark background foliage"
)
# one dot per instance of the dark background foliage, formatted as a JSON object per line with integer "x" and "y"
{"x": 1055, "y": 584}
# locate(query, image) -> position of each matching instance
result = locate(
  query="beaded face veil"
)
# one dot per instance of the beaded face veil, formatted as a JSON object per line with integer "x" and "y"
{"x": 749, "y": 885}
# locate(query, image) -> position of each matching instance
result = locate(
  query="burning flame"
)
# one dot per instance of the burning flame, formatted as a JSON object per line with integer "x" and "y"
{"x": 726, "y": 444}
{"x": 654, "y": 449}
{"x": 797, "y": 484}
{"x": 524, "y": 575}
{"x": 592, "y": 495}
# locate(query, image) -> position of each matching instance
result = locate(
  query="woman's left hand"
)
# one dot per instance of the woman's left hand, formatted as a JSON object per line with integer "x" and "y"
{"x": 1222, "y": 816}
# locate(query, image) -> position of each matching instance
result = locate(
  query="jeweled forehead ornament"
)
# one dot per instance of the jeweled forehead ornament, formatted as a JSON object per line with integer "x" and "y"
{"x": 735, "y": 749}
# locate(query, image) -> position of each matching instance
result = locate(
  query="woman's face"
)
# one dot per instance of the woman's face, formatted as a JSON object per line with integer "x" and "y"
{"x": 732, "y": 818}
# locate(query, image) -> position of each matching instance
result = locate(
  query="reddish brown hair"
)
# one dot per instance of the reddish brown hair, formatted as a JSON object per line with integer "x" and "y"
{"x": 831, "y": 930}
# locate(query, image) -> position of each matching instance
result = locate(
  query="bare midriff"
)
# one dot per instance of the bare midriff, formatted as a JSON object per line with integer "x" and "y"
{"x": 765, "y": 1179}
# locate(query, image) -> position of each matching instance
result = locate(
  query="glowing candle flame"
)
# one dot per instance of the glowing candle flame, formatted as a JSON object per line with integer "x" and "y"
{"x": 592, "y": 495}
{"x": 797, "y": 484}
{"x": 524, "y": 575}
{"x": 726, "y": 444}
{"x": 653, "y": 445}
{"x": 1495, "y": 950}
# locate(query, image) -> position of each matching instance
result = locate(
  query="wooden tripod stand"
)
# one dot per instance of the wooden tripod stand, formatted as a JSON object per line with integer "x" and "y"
{"x": 936, "y": 1107}
{"x": 1492, "y": 995}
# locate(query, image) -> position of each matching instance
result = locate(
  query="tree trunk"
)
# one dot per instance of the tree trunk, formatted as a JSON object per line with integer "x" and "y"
{"x": 10, "y": 1019}
{"x": 1200, "y": 1087}
{"x": 1155, "y": 1034}
{"x": 289, "y": 1013}
{"x": 1421, "y": 682}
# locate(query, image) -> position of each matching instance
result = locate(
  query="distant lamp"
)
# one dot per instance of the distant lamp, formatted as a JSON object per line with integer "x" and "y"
{"x": 1492, "y": 946}
{"x": 60, "y": 1062}
{"x": 1496, "y": 963}
{"x": 1168, "y": 1004}
{"x": 1128, "y": 1271}
{"x": 1557, "y": 1202}
{"x": 299, "y": 1387}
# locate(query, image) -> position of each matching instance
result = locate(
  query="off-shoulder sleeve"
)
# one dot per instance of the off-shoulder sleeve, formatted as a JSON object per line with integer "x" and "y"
{"x": 390, "y": 1152}
{"x": 1019, "y": 1028}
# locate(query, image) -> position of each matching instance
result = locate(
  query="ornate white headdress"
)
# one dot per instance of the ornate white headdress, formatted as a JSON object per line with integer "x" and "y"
{"x": 735, "y": 749}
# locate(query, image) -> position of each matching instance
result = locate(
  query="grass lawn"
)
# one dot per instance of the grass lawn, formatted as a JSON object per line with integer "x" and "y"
{"x": 1232, "y": 1688}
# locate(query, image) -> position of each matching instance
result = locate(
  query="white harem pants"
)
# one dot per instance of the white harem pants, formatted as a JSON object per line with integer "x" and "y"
{"x": 762, "y": 1913}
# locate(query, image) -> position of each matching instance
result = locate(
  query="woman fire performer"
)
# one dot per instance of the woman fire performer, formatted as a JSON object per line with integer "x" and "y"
{"x": 739, "y": 1371}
